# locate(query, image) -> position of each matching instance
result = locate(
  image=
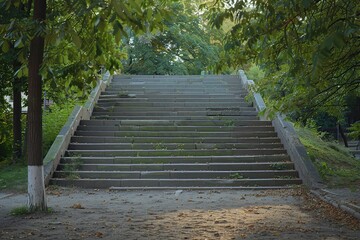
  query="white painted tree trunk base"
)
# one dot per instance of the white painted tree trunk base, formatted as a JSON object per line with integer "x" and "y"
{"x": 36, "y": 189}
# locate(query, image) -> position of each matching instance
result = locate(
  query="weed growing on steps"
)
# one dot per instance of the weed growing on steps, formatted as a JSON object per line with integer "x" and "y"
{"x": 160, "y": 146}
{"x": 71, "y": 168}
{"x": 278, "y": 166}
{"x": 111, "y": 109}
{"x": 123, "y": 94}
{"x": 236, "y": 176}
{"x": 284, "y": 177}
{"x": 180, "y": 146}
{"x": 229, "y": 123}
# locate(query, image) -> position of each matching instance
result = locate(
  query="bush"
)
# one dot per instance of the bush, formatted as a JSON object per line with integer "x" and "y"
{"x": 6, "y": 135}
{"x": 355, "y": 130}
{"x": 337, "y": 167}
{"x": 255, "y": 73}
{"x": 53, "y": 120}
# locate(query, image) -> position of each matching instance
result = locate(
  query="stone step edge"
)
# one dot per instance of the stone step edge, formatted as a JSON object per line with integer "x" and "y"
{"x": 199, "y": 188}
{"x": 180, "y": 164}
{"x": 106, "y": 183}
{"x": 184, "y": 171}
{"x": 177, "y": 157}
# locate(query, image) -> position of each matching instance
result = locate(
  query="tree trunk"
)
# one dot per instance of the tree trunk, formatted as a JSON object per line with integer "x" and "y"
{"x": 36, "y": 188}
{"x": 343, "y": 136}
{"x": 17, "y": 143}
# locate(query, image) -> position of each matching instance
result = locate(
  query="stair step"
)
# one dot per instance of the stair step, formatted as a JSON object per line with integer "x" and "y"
{"x": 163, "y": 103}
{"x": 147, "y": 122}
{"x": 184, "y": 166}
{"x": 178, "y": 128}
{"x": 154, "y": 140}
{"x": 179, "y": 113}
{"x": 109, "y": 94}
{"x": 129, "y": 134}
{"x": 275, "y": 158}
{"x": 171, "y": 146}
{"x": 175, "y": 118}
{"x": 135, "y": 98}
{"x": 166, "y": 109}
{"x": 182, "y": 183}
{"x": 254, "y": 174}
{"x": 198, "y": 152}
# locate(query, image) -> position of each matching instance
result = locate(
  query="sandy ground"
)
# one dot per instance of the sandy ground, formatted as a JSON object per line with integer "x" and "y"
{"x": 95, "y": 214}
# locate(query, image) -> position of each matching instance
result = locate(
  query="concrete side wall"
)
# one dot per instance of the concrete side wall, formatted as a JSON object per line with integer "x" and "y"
{"x": 59, "y": 146}
{"x": 286, "y": 132}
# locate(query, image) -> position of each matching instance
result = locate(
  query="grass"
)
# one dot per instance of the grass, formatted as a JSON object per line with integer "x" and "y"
{"x": 14, "y": 178}
{"x": 53, "y": 120}
{"x": 24, "y": 210}
{"x": 337, "y": 167}
{"x": 20, "y": 211}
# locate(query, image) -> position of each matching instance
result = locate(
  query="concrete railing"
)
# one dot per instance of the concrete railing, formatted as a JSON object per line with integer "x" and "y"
{"x": 59, "y": 146}
{"x": 286, "y": 132}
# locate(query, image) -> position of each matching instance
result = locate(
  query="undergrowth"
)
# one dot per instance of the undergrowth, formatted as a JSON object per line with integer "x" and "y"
{"x": 24, "y": 210}
{"x": 335, "y": 164}
{"x": 53, "y": 120}
{"x": 14, "y": 176}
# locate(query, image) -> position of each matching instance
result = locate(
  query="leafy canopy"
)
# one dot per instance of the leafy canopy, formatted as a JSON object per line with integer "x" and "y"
{"x": 81, "y": 37}
{"x": 309, "y": 49}
{"x": 186, "y": 45}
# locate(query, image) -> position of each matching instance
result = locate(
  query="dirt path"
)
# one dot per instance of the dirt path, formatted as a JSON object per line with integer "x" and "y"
{"x": 94, "y": 214}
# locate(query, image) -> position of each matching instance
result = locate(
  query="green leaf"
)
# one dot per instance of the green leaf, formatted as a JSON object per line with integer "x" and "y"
{"x": 75, "y": 38}
{"x": 5, "y": 46}
{"x": 19, "y": 43}
{"x": 22, "y": 72}
{"x": 149, "y": 13}
{"x": 134, "y": 5}
{"x": 97, "y": 21}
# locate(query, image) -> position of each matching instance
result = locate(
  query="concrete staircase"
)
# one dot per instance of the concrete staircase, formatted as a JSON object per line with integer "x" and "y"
{"x": 175, "y": 132}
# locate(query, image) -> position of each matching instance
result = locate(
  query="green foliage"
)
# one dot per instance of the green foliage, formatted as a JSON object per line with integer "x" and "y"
{"x": 5, "y": 133}
{"x": 355, "y": 130}
{"x": 53, "y": 120}
{"x": 334, "y": 162}
{"x": 236, "y": 176}
{"x": 255, "y": 73}
{"x": 24, "y": 210}
{"x": 308, "y": 49}
{"x": 185, "y": 46}
{"x": 13, "y": 177}
{"x": 159, "y": 146}
{"x": 278, "y": 166}
{"x": 81, "y": 37}
{"x": 20, "y": 211}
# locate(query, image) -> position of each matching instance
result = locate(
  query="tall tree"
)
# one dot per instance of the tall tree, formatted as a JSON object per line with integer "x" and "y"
{"x": 11, "y": 60}
{"x": 310, "y": 49}
{"x": 185, "y": 46}
{"x": 36, "y": 188}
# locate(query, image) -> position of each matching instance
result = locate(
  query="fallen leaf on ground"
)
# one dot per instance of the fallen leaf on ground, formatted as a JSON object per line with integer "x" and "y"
{"x": 77, "y": 206}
